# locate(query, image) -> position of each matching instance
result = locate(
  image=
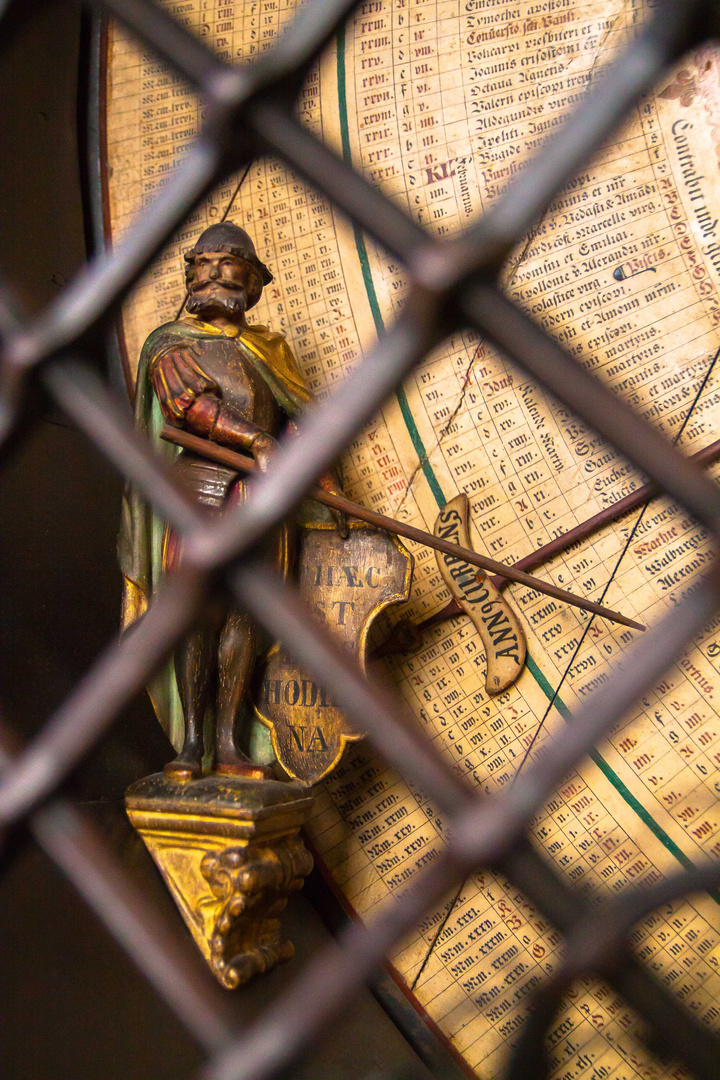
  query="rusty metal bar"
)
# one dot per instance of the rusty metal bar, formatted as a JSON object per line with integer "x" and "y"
{"x": 250, "y": 111}
{"x": 99, "y": 698}
{"x": 166, "y": 959}
{"x": 672, "y": 29}
{"x": 570, "y": 382}
{"x": 365, "y": 701}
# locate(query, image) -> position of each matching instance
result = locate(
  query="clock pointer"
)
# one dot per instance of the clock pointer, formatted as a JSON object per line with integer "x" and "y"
{"x": 406, "y": 636}
{"x": 243, "y": 463}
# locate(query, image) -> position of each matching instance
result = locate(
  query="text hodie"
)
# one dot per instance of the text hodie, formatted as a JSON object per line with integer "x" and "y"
{"x": 347, "y": 583}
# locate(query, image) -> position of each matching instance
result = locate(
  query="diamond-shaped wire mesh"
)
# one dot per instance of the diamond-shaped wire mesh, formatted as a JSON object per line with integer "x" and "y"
{"x": 452, "y": 286}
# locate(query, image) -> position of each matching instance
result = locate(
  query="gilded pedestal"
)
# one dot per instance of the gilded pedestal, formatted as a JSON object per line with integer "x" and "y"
{"x": 230, "y": 853}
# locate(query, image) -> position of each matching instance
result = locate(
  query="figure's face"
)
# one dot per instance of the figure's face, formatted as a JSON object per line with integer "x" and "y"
{"x": 222, "y": 284}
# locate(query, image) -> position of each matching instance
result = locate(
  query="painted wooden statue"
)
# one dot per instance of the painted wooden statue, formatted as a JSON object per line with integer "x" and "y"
{"x": 222, "y": 821}
{"x": 238, "y": 386}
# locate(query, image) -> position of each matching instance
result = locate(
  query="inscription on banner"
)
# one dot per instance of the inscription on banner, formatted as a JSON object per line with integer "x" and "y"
{"x": 494, "y": 619}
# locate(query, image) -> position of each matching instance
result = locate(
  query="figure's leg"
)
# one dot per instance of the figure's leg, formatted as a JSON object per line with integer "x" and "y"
{"x": 194, "y": 663}
{"x": 236, "y": 657}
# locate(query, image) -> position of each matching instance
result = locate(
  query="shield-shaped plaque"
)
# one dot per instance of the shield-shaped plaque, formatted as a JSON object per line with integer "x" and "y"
{"x": 347, "y": 582}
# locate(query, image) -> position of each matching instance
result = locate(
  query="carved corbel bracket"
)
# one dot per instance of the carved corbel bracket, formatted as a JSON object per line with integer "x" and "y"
{"x": 230, "y": 853}
{"x": 253, "y": 884}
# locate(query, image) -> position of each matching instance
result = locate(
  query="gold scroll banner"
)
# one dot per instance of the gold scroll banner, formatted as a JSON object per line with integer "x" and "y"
{"x": 494, "y": 619}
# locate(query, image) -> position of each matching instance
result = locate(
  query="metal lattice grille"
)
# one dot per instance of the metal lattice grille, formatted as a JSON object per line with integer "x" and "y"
{"x": 452, "y": 286}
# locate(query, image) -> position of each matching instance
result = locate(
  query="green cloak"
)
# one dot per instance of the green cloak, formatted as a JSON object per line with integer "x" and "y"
{"x": 141, "y": 530}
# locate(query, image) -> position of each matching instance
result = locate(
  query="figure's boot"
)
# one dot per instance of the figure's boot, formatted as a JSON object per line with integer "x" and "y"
{"x": 194, "y": 660}
{"x": 236, "y": 657}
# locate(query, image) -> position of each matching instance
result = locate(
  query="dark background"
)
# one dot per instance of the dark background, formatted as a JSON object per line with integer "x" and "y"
{"x": 71, "y": 1003}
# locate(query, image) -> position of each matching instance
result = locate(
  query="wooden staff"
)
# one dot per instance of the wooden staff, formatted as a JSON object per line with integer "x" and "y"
{"x": 406, "y": 635}
{"x": 242, "y": 463}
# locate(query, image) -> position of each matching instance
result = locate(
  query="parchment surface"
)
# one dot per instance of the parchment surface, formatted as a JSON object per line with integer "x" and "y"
{"x": 441, "y": 104}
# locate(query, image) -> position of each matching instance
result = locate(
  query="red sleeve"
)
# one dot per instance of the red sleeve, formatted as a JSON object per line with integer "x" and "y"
{"x": 178, "y": 380}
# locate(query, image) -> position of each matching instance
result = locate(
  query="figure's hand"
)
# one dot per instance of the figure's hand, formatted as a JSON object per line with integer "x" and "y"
{"x": 341, "y": 522}
{"x": 263, "y": 448}
{"x": 329, "y": 483}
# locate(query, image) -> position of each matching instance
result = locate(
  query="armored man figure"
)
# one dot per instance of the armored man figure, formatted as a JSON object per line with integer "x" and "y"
{"x": 237, "y": 385}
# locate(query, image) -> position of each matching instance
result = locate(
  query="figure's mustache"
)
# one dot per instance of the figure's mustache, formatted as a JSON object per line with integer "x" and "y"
{"x": 225, "y": 302}
{"x": 229, "y": 286}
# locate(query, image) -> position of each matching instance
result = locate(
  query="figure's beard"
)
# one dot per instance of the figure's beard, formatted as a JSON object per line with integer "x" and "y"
{"x": 220, "y": 301}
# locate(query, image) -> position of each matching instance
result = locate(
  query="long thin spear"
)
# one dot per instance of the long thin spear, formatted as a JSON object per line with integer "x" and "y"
{"x": 406, "y": 635}
{"x": 224, "y": 456}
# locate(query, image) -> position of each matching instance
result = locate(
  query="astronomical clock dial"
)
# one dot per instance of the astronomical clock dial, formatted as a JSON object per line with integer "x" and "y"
{"x": 441, "y": 104}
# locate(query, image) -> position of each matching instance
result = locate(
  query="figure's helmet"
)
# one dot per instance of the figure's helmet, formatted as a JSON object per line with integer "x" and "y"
{"x": 229, "y": 237}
